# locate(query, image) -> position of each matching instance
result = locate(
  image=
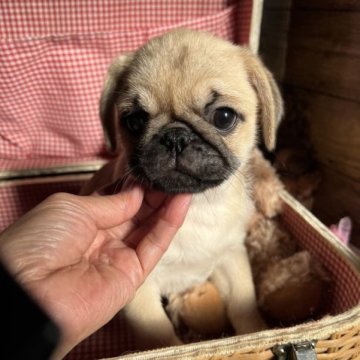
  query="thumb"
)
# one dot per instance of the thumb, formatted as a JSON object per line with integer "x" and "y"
{"x": 160, "y": 230}
{"x": 112, "y": 210}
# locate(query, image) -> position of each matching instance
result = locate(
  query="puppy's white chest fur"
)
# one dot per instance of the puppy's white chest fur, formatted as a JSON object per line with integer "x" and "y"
{"x": 214, "y": 226}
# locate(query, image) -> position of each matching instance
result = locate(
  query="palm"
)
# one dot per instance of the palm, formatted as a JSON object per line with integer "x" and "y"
{"x": 84, "y": 258}
{"x": 94, "y": 265}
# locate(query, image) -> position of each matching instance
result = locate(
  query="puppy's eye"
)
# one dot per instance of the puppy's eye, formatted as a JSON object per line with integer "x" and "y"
{"x": 224, "y": 118}
{"x": 136, "y": 121}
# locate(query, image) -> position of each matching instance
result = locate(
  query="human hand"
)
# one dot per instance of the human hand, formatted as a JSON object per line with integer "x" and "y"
{"x": 82, "y": 258}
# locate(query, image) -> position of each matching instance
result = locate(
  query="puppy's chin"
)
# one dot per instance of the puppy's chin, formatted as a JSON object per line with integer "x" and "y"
{"x": 177, "y": 182}
{"x": 180, "y": 161}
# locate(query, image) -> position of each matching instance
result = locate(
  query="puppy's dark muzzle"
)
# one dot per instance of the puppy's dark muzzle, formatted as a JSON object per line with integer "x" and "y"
{"x": 178, "y": 159}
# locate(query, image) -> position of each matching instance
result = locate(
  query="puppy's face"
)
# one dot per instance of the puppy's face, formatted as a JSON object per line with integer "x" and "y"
{"x": 184, "y": 109}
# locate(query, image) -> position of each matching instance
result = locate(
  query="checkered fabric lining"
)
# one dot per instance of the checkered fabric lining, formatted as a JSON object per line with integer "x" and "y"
{"x": 16, "y": 200}
{"x": 345, "y": 292}
{"x": 44, "y": 18}
{"x": 54, "y": 55}
{"x": 114, "y": 338}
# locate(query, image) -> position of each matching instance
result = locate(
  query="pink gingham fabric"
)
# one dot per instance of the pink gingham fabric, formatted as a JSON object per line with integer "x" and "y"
{"x": 54, "y": 56}
{"x": 345, "y": 285}
{"x": 53, "y": 59}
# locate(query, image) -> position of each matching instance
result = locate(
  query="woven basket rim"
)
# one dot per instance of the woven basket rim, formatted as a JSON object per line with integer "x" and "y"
{"x": 264, "y": 340}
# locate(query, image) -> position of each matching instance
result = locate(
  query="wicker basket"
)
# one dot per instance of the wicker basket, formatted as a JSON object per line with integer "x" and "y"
{"x": 337, "y": 335}
{"x": 337, "y": 338}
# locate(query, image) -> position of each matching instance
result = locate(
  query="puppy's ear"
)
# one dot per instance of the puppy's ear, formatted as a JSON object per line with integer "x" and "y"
{"x": 108, "y": 114}
{"x": 271, "y": 108}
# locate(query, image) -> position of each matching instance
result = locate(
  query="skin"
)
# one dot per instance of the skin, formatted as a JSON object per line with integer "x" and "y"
{"x": 83, "y": 258}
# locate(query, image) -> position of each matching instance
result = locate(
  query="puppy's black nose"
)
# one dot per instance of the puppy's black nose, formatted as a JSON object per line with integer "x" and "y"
{"x": 176, "y": 139}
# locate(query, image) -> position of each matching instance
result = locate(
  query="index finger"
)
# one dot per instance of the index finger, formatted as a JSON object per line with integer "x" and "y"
{"x": 163, "y": 226}
{"x": 153, "y": 200}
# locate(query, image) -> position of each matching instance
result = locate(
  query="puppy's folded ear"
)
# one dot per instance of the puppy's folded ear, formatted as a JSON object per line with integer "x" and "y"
{"x": 115, "y": 78}
{"x": 271, "y": 108}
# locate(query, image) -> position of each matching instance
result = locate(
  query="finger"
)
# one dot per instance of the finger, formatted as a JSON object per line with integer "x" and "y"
{"x": 112, "y": 210}
{"x": 163, "y": 226}
{"x": 153, "y": 200}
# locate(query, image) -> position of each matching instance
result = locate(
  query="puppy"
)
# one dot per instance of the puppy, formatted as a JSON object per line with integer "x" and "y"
{"x": 181, "y": 115}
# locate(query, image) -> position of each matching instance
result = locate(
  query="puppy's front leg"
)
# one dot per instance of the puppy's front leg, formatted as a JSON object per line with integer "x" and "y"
{"x": 234, "y": 280}
{"x": 148, "y": 320}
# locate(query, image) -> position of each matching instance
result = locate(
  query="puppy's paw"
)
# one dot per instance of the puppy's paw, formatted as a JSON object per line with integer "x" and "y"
{"x": 200, "y": 310}
{"x": 174, "y": 308}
